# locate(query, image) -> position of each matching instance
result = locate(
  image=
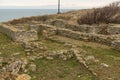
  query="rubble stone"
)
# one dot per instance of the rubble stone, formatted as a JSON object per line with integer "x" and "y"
{"x": 23, "y": 77}
{"x": 32, "y": 67}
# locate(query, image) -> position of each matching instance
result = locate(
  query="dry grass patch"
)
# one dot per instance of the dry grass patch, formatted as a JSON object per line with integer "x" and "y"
{"x": 107, "y": 14}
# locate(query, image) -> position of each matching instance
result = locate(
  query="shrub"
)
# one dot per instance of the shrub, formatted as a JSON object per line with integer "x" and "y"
{"x": 107, "y": 14}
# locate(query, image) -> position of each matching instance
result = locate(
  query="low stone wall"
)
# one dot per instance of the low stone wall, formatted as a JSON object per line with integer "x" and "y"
{"x": 35, "y": 27}
{"x": 100, "y": 38}
{"x": 32, "y": 34}
{"x": 85, "y": 36}
{"x": 59, "y": 23}
{"x": 114, "y": 29}
{"x": 18, "y": 35}
{"x": 9, "y": 31}
{"x": 98, "y": 29}
{"x": 107, "y": 29}
{"x": 22, "y": 36}
{"x": 51, "y": 30}
{"x": 48, "y": 28}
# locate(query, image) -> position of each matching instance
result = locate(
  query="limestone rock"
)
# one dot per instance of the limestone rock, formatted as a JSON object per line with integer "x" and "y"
{"x": 105, "y": 65}
{"x": 90, "y": 59}
{"x": 68, "y": 45}
{"x": 49, "y": 58}
{"x": 32, "y": 67}
{"x": 11, "y": 70}
{"x": 33, "y": 46}
{"x": 14, "y": 67}
{"x": 24, "y": 63}
{"x": 15, "y": 54}
{"x": 23, "y": 77}
{"x": 32, "y": 58}
{"x": 66, "y": 54}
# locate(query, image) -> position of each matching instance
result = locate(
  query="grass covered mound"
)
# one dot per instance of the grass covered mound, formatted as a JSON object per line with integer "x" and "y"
{"x": 107, "y": 14}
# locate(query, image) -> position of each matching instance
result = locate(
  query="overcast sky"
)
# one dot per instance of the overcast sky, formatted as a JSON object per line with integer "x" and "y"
{"x": 64, "y": 3}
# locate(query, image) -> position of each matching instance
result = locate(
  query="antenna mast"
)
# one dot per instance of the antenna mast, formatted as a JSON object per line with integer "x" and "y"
{"x": 58, "y": 6}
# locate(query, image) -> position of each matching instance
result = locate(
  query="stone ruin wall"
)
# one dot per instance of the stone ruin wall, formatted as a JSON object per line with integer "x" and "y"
{"x": 85, "y": 35}
{"x": 82, "y": 32}
{"x": 51, "y": 30}
{"x": 18, "y": 35}
{"x": 9, "y": 31}
{"x": 26, "y": 36}
{"x": 97, "y": 29}
{"x": 106, "y": 34}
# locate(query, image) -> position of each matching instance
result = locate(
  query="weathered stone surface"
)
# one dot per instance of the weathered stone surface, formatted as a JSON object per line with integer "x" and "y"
{"x": 59, "y": 23}
{"x": 14, "y": 67}
{"x": 105, "y": 39}
{"x": 91, "y": 59}
{"x": 23, "y": 77}
{"x": 32, "y": 67}
{"x": 97, "y": 29}
{"x": 9, "y": 31}
{"x": 116, "y": 45}
{"x": 63, "y": 54}
{"x": 49, "y": 58}
{"x": 18, "y": 35}
{"x": 33, "y": 46}
{"x": 105, "y": 65}
{"x": 11, "y": 70}
{"x": 35, "y": 27}
{"x": 50, "y": 30}
{"x": 22, "y": 36}
{"x": 115, "y": 29}
{"x": 68, "y": 45}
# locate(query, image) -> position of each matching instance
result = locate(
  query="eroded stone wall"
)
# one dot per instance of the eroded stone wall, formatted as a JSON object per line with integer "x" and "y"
{"x": 97, "y": 29}
{"x": 26, "y": 36}
{"x": 18, "y": 35}
{"x": 86, "y": 37}
{"x": 101, "y": 34}
{"x": 9, "y": 31}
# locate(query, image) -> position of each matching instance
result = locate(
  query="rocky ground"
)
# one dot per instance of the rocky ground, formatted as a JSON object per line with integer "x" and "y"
{"x": 58, "y": 58}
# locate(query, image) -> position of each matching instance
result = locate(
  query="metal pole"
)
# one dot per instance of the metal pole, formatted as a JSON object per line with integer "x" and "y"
{"x": 58, "y": 6}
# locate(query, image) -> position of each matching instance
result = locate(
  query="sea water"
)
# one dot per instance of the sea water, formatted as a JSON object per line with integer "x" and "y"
{"x": 10, "y": 14}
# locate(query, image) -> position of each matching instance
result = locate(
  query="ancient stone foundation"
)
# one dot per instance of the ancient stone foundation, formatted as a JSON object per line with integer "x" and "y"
{"x": 106, "y": 34}
{"x": 97, "y": 29}
{"x": 18, "y": 35}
